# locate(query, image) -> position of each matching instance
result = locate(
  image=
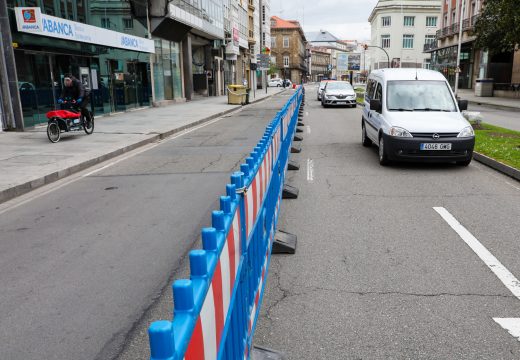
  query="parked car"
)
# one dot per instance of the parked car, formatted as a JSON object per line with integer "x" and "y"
{"x": 275, "y": 82}
{"x": 338, "y": 93}
{"x": 321, "y": 86}
{"x": 412, "y": 114}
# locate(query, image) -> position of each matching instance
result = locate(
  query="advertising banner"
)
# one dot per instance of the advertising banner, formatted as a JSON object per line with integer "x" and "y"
{"x": 354, "y": 61}
{"x": 342, "y": 62}
{"x": 31, "y": 20}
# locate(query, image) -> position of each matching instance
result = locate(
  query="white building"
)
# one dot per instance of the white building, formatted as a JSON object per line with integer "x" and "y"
{"x": 402, "y": 28}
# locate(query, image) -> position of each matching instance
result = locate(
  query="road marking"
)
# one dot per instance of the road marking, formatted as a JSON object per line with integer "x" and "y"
{"x": 182, "y": 133}
{"x": 306, "y": 113}
{"x": 310, "y": 170}
{"x": 516, "y": 187}
{"x": 512, "y": 325}
{"x": 56, "y": 185}
{"x": 308, "y": 129}
{"x": 508, "y": 279}
{"x": 484, "y": 168}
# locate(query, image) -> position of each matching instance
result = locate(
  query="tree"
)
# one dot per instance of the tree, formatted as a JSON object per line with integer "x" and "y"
{"x": 498, "y": 26}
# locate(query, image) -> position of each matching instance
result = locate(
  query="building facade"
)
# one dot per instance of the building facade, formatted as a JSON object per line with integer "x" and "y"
{"x": 288, "y": 49}
{"x": 402, "y": 28}
{"x": 503, "y": 68}
{"x": 321, "y": 63}
{"x": 339, "y": 52}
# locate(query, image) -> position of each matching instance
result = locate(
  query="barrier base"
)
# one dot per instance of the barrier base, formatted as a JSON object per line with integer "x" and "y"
{"x": 284, "y": 243}
{"x": 298, "y": 130}
{"x": 296, "y": 148}
{"x": 290, "y": 192}
{"x": 297, "y": 138}
{"x": 261, "y": 353}
{"x": 300, "y": 123}
{"x": 293, "y": 165}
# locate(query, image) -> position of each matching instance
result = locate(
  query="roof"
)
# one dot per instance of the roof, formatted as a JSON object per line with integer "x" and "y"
{"x": 321, "y": 36}
{"x": 409, "y": 74}
{"x": 284, "y": 24}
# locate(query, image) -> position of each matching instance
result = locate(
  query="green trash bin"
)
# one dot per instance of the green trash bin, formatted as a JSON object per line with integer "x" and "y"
{"x": 237, "y": 94}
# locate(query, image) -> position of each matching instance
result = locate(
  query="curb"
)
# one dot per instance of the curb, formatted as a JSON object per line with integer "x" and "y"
{"x": 17, "y": 190}
{"x": 497, "y": 165}
{"x": 494, "y": 106}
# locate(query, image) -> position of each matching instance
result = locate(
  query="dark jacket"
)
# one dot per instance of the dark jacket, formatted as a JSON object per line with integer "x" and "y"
{"x": 75, "y": 91}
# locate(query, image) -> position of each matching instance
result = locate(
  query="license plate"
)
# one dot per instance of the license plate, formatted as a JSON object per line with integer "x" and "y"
{"x": 341, "y": 102}
{"x": 435, "y": 146}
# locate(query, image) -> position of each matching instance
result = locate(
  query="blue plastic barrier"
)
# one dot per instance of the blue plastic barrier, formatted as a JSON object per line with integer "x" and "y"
{"x": 215, "y": 312}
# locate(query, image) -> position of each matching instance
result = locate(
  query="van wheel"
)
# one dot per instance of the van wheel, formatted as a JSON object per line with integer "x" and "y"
{"x": 465, "y": 162}
{"x": 364, "y": 138}
{"x": 383, "y": 157}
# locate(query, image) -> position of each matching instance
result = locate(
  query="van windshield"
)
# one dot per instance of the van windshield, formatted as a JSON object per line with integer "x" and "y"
{"x": 419, "y": 95}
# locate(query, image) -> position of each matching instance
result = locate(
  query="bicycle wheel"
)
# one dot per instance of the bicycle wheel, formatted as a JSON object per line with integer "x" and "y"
{"x": 53, "y": 131}
{"x": 88, "y": 125}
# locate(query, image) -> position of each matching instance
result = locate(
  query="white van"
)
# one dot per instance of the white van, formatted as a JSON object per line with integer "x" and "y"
{"x": 412, "y": 114}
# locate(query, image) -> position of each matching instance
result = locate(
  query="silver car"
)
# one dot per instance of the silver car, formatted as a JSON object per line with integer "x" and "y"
{"x": 321, "y": 86}
{"x": 338, "y": 93}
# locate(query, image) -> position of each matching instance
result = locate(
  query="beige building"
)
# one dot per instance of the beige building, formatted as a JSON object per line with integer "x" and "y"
{"x": 288, "y": 49}
{"x": 320, "y": 64}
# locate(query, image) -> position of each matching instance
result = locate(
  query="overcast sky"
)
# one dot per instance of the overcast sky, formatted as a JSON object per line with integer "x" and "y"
{"x": 345, "y": 19}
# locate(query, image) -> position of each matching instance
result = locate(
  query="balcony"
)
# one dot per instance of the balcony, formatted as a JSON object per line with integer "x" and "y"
{"x": 430, "y": 46}
{"x": 467, "y": 25}
{"x": 251, "y": 39}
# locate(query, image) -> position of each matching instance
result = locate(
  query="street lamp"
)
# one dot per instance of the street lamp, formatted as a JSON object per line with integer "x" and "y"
{"x": 366, "y": 46}
{"x": 457, "y": 69}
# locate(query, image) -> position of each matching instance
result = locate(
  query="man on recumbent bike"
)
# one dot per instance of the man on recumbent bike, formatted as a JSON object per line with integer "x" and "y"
{"x": 73, "y": 89}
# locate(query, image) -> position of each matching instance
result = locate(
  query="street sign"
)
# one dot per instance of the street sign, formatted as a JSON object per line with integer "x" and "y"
{"x": 263, "y": 61}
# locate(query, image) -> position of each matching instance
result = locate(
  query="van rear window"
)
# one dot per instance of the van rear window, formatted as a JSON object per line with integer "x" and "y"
{"x": 419, "y": 95}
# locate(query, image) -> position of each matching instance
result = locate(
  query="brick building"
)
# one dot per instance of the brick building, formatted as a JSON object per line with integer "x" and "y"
{"x": 288, "y": 49}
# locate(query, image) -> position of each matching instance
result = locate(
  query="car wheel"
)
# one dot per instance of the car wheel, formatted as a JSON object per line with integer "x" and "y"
{"x": 465, "y": 162}
{"x": 364, "y": 138}
{"x": 383, "y": 158}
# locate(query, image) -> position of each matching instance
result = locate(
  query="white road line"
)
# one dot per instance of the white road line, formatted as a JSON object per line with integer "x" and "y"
{"x": 310, "y": 170}
{"x": 308, "y": 129}
{"x": 46, "y": 189}
{"x": 512, "y": 325}
{"x": 508, "y": 279}
{"x": 306, "y": 113}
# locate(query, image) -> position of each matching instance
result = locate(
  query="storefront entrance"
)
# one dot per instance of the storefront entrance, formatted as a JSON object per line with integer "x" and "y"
{"x": 116, "y": 85}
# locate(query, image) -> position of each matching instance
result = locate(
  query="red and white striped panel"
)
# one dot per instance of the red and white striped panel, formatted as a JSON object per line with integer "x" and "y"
{"x": 255, "y": 195}
{"x": 259, "y": 289}
{"x": 205, "y": 340}
{"x": 276, "y": 145}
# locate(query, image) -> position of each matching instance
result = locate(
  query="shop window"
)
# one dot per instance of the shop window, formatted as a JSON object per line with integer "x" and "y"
{"x": 128, "y": 23}
{"x": 81, "y": 10}
{"x": 48, "y": 7}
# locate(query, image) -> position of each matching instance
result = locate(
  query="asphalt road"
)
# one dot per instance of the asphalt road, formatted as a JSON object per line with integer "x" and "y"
{"x": 81, "y": 262}
{"x": 378, "y": 273}
{"x": 508, "y": 119}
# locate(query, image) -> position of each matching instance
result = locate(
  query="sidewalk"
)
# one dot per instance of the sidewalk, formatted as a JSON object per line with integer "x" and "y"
{"x": 495, "y": 102}
{"x": 29, "y": 160}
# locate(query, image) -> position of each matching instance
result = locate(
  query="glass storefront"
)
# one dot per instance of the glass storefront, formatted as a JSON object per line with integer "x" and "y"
{"x": 119, "y": 79}
{"x": 445, "y": 61}
{"x": 167, "y": 70}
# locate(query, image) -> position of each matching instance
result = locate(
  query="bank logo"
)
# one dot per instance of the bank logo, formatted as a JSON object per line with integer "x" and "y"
{"x": 29, "y": 16}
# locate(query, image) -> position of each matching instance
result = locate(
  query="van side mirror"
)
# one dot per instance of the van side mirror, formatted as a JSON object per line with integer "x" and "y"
{"x": 376, "y": 105}
{"x": 463, "y": 105}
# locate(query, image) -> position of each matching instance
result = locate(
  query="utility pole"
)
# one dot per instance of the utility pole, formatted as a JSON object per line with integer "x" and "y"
{"x": 374, "y": 46}
{"x": 457, "y": 69}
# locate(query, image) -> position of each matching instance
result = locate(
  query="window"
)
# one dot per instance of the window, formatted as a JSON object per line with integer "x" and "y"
{"x": 429, "y": 39}
{"x": 273, "y": 42}
{"x": 407, "y": 41}
{"x": 273, "y": 23}
{"x": 379, "y": 92}
{"x": 263, "y": 14}
{"x": 370, "y": 90}
{"x": 385, "y": 41}
{"x": 128, "y": 23}
{"x": 431, "y": 21}
{"x": 386, "y": 21}
{"x": 427, "y": 64}
{"x": 263, "y": 39}
{"x": 105, "y": 23}
{"x": 409, "y": 20}
{"x": 285, "y": 41}
{"x": 286, "y": 61}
